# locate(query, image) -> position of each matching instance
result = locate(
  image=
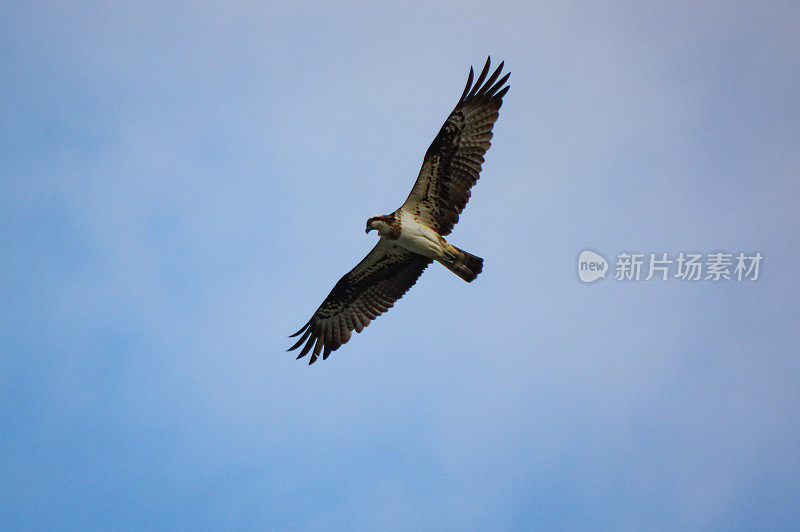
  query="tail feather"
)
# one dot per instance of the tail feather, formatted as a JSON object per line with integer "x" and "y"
{"x": 465, "y": 265}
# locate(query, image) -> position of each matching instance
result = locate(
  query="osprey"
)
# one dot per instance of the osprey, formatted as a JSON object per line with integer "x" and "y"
{"x": 413, "y": 236}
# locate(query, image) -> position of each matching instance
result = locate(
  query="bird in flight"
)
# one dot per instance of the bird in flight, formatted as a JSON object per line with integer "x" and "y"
{"x": 413, "y": 236}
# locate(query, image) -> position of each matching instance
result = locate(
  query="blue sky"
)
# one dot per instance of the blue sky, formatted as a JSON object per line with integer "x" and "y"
{"x": 183, "y": 183}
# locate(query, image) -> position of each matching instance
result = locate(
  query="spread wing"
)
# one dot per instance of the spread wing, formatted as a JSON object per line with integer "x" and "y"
{"x": 453, "y": 161}
{"x": 363, "y": 294}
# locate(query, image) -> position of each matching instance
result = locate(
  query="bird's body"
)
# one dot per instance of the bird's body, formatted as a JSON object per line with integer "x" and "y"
{"x": 417, "y": 237}
{"x": 409, "y": 232}
{"x": 413, "y": 236}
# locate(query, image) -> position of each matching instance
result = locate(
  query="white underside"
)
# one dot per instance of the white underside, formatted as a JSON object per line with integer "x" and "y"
{"x": 419, "y": 238}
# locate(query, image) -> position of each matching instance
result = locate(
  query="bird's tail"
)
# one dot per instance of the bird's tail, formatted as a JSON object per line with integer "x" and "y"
{"x": 465, "y": 265}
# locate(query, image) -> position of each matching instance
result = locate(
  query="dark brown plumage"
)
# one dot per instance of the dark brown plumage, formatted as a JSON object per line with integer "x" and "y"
{"x": 451, "y": 167}
{"x": 366, "y": 292}
{"x": 453, "y": 161}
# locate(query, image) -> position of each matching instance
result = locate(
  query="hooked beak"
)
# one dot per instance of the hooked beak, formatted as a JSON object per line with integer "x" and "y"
{"x": 368, "y": 230}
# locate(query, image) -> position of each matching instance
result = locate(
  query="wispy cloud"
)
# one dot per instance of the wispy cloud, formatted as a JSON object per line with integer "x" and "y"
{"x": 184, "y": 184}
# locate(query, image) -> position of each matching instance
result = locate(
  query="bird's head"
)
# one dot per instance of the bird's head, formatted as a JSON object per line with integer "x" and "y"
{"x": 379, "y": 223}
{"x": 371, "y": 224}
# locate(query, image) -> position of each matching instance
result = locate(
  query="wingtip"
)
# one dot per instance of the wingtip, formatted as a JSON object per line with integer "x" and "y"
{"x": 303, "y": 328}
{"x": 468, "y": 86}
{"x": 481, "y": 78}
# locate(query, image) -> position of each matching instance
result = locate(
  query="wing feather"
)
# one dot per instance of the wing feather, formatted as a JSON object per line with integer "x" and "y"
{"x": 453, "y": 161}
{"x": 363, "y": 294}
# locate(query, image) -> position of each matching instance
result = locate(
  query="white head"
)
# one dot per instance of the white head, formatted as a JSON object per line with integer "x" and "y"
{"x": 386, "y": 225}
